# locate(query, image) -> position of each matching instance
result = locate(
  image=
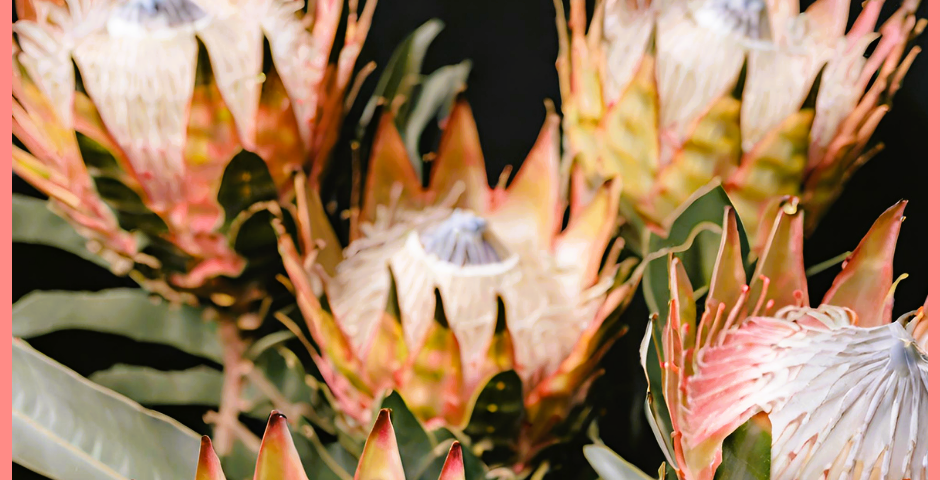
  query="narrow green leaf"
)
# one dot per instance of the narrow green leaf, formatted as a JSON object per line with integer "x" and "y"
{"x": 148, "y": 386}
{"x": 66, "y": 427}
{"x": 34, "y": 223}
{"x": 435, "y": 98}
{"x": 403, "y": 70}
{"x": 120, "y": 311}
{"x": 610, "y": 466}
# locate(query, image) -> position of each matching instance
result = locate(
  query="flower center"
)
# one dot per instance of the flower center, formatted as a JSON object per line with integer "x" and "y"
{"x": 747, "y": 18}
{"x": 158, "y": 14}
{"x": 461, "y": 239}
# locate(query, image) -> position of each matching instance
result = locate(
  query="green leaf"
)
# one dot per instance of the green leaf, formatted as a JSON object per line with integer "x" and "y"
{"x": 404, "y": 67}
{"x": 120, "y": 311}
{"x": 34, "y": 223}
{"x": 278, "y": 372}
{"x": 436, "y": 96}
{"x": 246, "y": 181}
{"x": 610, "y": 466}
{"x": 66, "y": 427}
{"x": 694, "y": 237}
{"x": 148, "y": 386}
{"x": 745, "y": 454}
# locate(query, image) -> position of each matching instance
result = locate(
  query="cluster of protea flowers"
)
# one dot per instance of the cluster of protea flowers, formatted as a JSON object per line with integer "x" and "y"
{"x": 843, "y": 386}
{"x": 278, "y": 458}
{"x": 446, "y": 285}
{"x": 158, "y": 146}
{"x": 670, "y": 94}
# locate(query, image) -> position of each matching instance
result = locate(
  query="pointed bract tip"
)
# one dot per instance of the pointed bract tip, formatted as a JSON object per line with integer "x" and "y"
{"x": 278, "y": 457}
{"x": 453, "y": 466}
{"x": 208, "y": 466}
{"x": 380, "y": 457}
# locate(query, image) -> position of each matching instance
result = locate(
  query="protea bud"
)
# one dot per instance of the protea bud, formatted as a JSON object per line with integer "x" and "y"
{"x": 278, "y": 458}
{"x": 669, "y": 95}
{"x": 446, "y": 285}
{"x": 843, "y": 386}
{"x": 155, "y": 126}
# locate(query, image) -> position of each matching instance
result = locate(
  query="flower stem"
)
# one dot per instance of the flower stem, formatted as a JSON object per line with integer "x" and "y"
{"x": 233, "y": 349}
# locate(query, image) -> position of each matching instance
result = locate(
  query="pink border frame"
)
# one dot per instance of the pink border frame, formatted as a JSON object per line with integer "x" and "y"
{"x": 933, "y": 59}
{"x": 933, "y": 198}
{"x": 6, "y": 227}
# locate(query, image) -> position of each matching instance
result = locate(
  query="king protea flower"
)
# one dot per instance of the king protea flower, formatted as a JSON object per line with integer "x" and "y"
{"x": 129, "y": 114}
{"x": 671, "y": 94}
{"x": 843, "y": 386}
{"x": 448, "y": 284}
{"x": 278, "y": 458}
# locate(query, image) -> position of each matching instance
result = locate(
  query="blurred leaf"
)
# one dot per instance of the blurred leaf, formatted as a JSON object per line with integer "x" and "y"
{"x": 610, "y": 466}
{"x": 498, "y": 408}
{"x": 278, "y": 382}
{"x": 148, "y": 386}
{"x": 497, "y": 416}
{"x": 34, "y": 223}
{"x": 436, "y": 96}
{"x": 66, "y": 427}
{"x": 403, "y": 70}
{"x": 745, "y": 454}
{"x": 246, "y": 181}
{"x": 474, "y": 468}
{"x": 120, "y": 311}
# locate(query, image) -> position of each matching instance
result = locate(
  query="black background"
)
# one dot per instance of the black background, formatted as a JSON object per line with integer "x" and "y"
{"x": 513, "y": 46}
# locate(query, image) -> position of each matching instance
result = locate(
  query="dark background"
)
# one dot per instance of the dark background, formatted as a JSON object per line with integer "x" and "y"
{"x": 513, "y": 46}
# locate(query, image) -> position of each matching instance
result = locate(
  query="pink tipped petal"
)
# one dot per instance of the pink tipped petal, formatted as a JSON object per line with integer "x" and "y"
{"x": 687, "y": 87}
{"x": 627, "y": 27}
{"x": 453, "y": 466}
{"x": 121, "y": 74}
{"x": 864, "y": 285}
{"x": 529, "y": 215}
{"x": 380, "y": 458}
{"x": 460, "y": 161}
{"x": 278, "y": 458}
{"x": 233, "y": 42}
{"x": 299, "y": 57}
{"x": 582, "y": 245}
{"x": 779, "y": 279}
{"x": 209, "y": 467}
{"x": 827, "y": 19}
{"x": 388, "y": 166}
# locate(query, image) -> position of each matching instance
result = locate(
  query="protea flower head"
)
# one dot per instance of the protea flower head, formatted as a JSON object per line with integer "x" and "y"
{"x": 278, "y": 458}
{"x": 446, "y": 285}
{"x": 843, "y": 386}
{"x": 671, "y": 94}
{"x": 155, "y": 125}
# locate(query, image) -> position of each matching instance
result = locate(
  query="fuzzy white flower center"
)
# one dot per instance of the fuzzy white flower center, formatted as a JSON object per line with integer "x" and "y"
{"x": 138, "y": 16}
{"x": 461, "y": 239}
{"x": 747, "y": 18}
